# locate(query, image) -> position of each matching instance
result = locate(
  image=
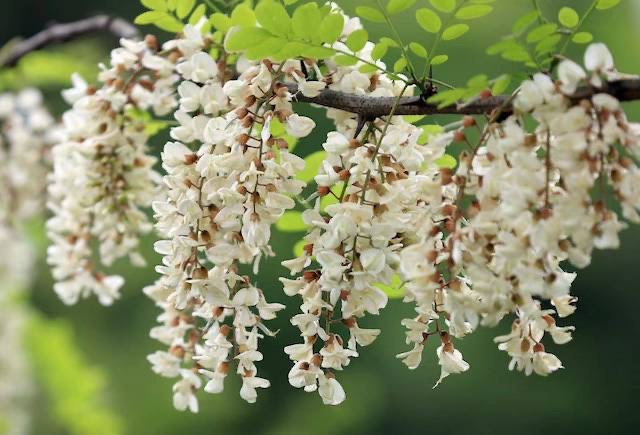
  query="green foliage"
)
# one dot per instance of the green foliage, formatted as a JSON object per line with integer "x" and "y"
{"x": 280, "y": 36}
{"x": 312, "y": 166}
{"x": 394, "y": 289}
{"x": 535, "y": 40}
{"x": 51, "y": 68}
{"x": 170, "y": 15}
{"x": 291, "y": 222}
{"x": 73, "y": 388}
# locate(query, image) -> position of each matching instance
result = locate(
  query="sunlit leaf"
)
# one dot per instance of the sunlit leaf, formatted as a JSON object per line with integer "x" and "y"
{"x": 331, "y": 28}
{"x": 446, "y": 161}
{"x": 183, "y": 7}
{"x": 394, "y": 290}
{"x": 369, "y": 13}
{"x": 454, "y": 32}
{"x": 439, "y": 59}
{"x": 357, "y": 40}
{"x": 397, "y": 6}
{"x": 291, "y": 222}
{"x": 568, "y": 17}
{"x": 446, "y": 6}
{"x": 304, "y": 21}
{"x": 540, "y": 32}
{"x": 428, "y": 20}
{"x": 312, "y": 166}
{"x": 606, "y": 4}
{"x": 418, "y": 50}
{"x": 273, "y": 17}
{"x": 473, "y": 11}
{"x": 155, "y": 5}
{"x": 582, "y": 38}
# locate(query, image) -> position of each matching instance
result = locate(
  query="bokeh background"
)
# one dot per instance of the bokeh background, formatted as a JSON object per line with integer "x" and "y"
{"x": 597, "y": 393}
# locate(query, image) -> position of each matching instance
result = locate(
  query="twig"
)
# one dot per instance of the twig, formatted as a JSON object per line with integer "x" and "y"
{"x": 67, "y": 31}
{"x": 372, "y": 107}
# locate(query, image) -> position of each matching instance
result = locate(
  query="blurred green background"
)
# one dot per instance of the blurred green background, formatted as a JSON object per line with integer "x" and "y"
{"x": 597, "y": 393}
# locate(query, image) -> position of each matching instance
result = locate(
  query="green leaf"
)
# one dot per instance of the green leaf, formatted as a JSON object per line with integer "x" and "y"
{"x": 478, "y": 81}
{"x": 357, "y": 40}
{"x": 343, "y": 60}
{"x": 244, "y": 37}
{"x": 367, "y": 69}
{"x": 312, "y": 166}
{"x": 390, "y": 42}
{"x": 418, "y": 50}
{"x": 454, "y": 32}
{"x": 298, "y": 248}
{"x": 397, "y": 6}
{"x": 518, "y": 54}
{"x": 267, "y": 47}
{"x": 472, "y": 12}
{"x": 290, "y": 2}
{"x": 501, "y": 84}
{"x": 400, "y": 65}
{"x": 220, "y": 22}
{"x": 504, "y": 45}
{"x": 171, "y": 4}
{"x": 394, "y": 289}
{"x": 582, "y": 38}
{"x": 568, "y": 17}
{"x": 290, "y": 50}
{"x": 316, "y": 52}
{"x": 541, "y": 32}
{"x": 150, "y": 17}
{"x": 291, "y": 222}
{"x": 548, "y": 44}
{"x": 439, "y": 59}
{"x": 371, "y": 14}
{"x": 183, "y": 7}
{"x": 304, "y": 21}
{"x": 446, "y": 161}
{"x": 446, "y": 6}
{"x": 428, "y": 20}
{"x": 198, "y": 13}
{"x": 429, "y": 130}
{"x": 379, "y": 50}
{"x": 606, "y": 4}
{"x": 448, "y": 97}
{"x": 155, "y": 5}
{"x": 524, "y": 21}
{"x": 243, "y": 15}
{"x": 273, "y": 17}
{"x": 169, "y": 24}
{"x": 331, "y": 28}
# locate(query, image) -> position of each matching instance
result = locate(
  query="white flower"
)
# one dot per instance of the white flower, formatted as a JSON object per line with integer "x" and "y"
{"x": 451, "y": 362}
{"x": 598, "y": 58}
{"x": 412, "y": 358}
{"x": 299, "y": 126}
{"x": 545, "y": 363}
{"x": 249, "y": 384}
{"x": 331, "y": 391}
{"x": 570, "y": 74}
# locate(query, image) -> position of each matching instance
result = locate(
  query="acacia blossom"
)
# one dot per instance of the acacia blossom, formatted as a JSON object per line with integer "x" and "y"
{"x": 228, "y": 181}
{"x": 103, "y": 178}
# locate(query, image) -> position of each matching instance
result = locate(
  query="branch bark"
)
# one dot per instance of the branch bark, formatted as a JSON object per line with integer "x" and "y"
{"x": 372, "y": 107}
{"x": 68, "y": 31}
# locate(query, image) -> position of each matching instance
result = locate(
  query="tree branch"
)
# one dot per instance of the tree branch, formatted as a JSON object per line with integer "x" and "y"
{"x": 67, "y": 31}
{"x": 372, "y": 107}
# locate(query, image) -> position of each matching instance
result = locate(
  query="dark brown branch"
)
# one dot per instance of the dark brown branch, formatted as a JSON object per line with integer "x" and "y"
{"x": 67, "y": 31}
{"x": 371, "y": 107}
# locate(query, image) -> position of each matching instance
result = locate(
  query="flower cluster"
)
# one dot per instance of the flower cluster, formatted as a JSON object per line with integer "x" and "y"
{"x": 103, "y": 177}
{"x": 228, "y": 180}
{"x": 378, "y": 177}
{"x": 27, "y": 132}
{"x": 537, "y": 199}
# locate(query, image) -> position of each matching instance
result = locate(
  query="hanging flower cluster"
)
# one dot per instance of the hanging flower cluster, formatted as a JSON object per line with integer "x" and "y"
{"x": 378, "y": 176}
{"x": 27, "y": 131}
{"x": 229, "y": 180}
{"x": 103, "y": 178}
{"x": 537, "y": 199}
